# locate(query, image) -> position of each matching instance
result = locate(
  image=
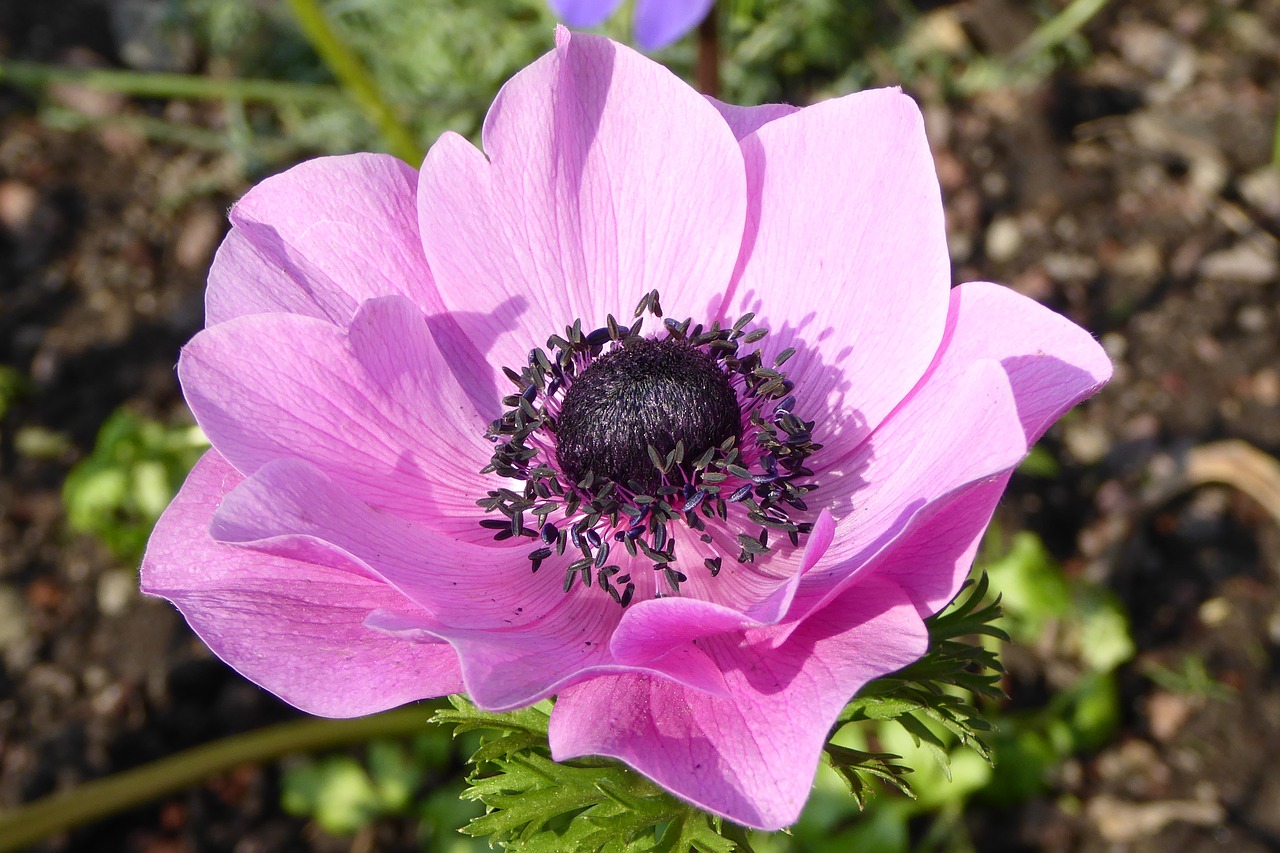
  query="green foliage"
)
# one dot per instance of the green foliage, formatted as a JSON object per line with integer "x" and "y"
{"x": 135, "y": 469}
{"x": 1091, "y": 623}
{"x": 437, "y": 62}
{"x": 1192, "y": 678}
{"x": 13, "y": 386}
{"x": 537, "y": 805}
{"x": 1040, "y": 463}
{"x": 1084, "y": 628}
{"x": 941, "y": 689}
{"x": 344, "y": 794}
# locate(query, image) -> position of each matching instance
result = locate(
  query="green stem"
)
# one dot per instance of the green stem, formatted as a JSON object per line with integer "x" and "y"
{"x": 738, "y": 835}
{"x": 274, "y": 150}
{"x": 94, "y": 800}
{"x": 1058, "y": 28}
{"x": 1275, "y": 146}
{"x": 1030, "y": 61}
{"x": 355, "y": 78}
{"x": 708, "y": 68}
{"x": 148, "y": 85}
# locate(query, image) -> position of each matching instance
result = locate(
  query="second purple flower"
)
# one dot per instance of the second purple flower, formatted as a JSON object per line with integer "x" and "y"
{"x": 657, "y": 23}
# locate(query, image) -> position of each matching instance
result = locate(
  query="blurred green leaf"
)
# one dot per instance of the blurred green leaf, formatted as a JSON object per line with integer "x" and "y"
{"x": 1032, "y": 589}
{"x": 1192, "y": 679}
{"x": 1105, "y": 641}
{"x": 335, "y": 791}
{"x": 13, "y": 386}
{"x": 122, "y": 487}
{"x": 537, "y": 805}
{"x": 1040, "y": 463}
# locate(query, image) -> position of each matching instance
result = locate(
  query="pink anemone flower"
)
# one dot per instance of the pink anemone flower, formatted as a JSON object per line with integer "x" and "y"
{"x": 658, "y": 23}
{"x": 663, "y": 406}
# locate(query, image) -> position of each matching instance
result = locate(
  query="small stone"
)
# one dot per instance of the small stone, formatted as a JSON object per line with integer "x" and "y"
{"x": 1087, "y": 442}
{"x": 1004, "y": 239}
{"x": 959, "y": 246}
{"x": 18, "y": 202}
{"x": 1249, "y": 262}
{"x": 1141, "y": 263}
{"x": 1265, "y": 387}
{"x": 1122, "y": 822}
{"x": 1207, "y": 348}
{"x": 198, "y": 238}
{"x": 152, "y": 35}
{"x": 15, "y": 628}
{"x": 1116, "y": 345}
{"x": 1065, "y": 267}
{"x": 1253, "y": 319}
{"x": 1261, "y": 189}
{"x": 116, "y": 589}
{"x": 1215, "y": 611}
{"x": 1167, "y": 713}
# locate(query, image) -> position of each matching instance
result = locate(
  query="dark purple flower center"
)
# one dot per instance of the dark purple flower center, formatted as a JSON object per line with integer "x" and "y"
{"x": 617, "y": 437}
{"x": 639, "y": 403}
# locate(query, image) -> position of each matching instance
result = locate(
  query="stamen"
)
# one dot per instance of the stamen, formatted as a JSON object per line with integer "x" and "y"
{"x": 616, "y": 436}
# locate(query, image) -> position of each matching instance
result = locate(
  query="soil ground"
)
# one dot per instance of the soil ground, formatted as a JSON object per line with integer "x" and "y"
{"x": 1131, "y": 191}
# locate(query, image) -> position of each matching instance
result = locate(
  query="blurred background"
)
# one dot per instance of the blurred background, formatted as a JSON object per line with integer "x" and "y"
{"x": 1118, "y": 161}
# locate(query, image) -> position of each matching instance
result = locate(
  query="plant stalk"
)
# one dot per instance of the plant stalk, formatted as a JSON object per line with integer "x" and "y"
{"x": 35, "y": 75}
{"x": 355, "y": 79}
{"x": 708, "y": 69}
{"x": 92, "y": 801}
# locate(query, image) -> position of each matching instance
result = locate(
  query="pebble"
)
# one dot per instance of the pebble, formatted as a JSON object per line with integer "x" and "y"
{"x": 1087, "y": 442}
{"x": 1004, "y": 239}
{"x": 1116, "y": 345}
{"x": 15, "y": 628}
{"x": 18, "y": 203}
{"x": 1253, "y": 319}
{"x": 1248, "y": 262}
{"x": 198, "y": 238}
{"x": 1265, "y": 387}
{"x": 116, "y": 589}
{"x": 1261, "y": 189}
{"x": 1141, "y": 263}
{"x": 1070, "y": 267}
{"x": 1122, "y": 822}
{"x": 1167, "y": 713}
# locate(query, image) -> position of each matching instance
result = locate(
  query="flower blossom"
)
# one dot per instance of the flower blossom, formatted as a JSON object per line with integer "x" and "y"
{"x": 657, "y": 23}
{"x": 658, "y": 405}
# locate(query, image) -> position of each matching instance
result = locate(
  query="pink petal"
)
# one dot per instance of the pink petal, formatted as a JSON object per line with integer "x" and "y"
{"x": 653, "y": 628}
{"x": 247, "y": 279}
{"x": 376, "y": 407}
{"x": 323, "y": 236}
{"x": 519, "y": 637}
{"x": 605, "y": 177}
{"x": 946, "y": 436}
{"x": 934, "y": 556}
{"x": 845, "y": 255}
{"x": 502, "y": 673}
{"x": 744, "y": 121}
{"x": 750, "y": 757}
{"x": 289, "y": 506}
{"x": 293, "y": 628}
{"x": 660, "y": 22}
{"x": 1052, "y": 363}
